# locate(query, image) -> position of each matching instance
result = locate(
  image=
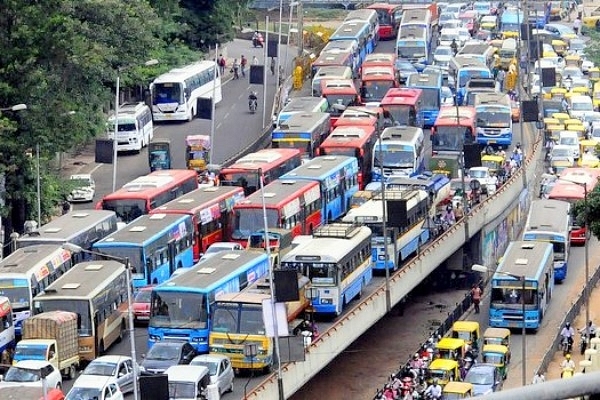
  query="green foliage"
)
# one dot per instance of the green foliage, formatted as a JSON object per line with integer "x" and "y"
{"x": 579, "y": 212}
{"x": 592, "y": 47}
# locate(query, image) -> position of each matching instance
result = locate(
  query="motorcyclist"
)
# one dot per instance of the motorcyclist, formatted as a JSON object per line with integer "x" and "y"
{"x": 434, "y": 391}
{"x": 567, "y": 365}
{"x": 256, "y": 38}
{"x": 568, "y": 333}
{"x": 252, "y": 100}
{"x": 416, "y": 365}
{"x": 589, "y": 330}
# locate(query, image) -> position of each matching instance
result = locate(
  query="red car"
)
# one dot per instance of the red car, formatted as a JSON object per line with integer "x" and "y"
{"x": 141, "y": 305}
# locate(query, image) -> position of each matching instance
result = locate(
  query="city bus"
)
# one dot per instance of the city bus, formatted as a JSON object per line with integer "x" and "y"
{"x": 238, "y": 318}
{"x": 431, "y": 95}
{"x": 400, "y": 150}
{"x": 27, "y": 272}
{"x": 437, "y": 185}
{"x": 462, "y": 69}
{"x": 304, "y": 131}
{"x": 413, "y": 44}
{"x": 155, "y": 245}
{"x": 97, "y": 292}
{"x": 406, "y": 234}
{"x": 371, "y": 18}
{"x": 7, "y": 327}
{"x": 339, "y": 93}
{"x": 337, "y": 260}
{"x": 271, "y": 163}
{"x": 175, "y": 94}
{"x": 375, "y": 81}
{"x": 453, "y": 129}
{"x": 550, "y": 221}
{"x": 301, "y": 105}
{"x": 147, "y": 192}
{"x": 533, "y": 262}
{"x": 349, "y": 49}
{"x": 494, "y": 119}
{"x": 403, "y": 106}
{"x": 419, "y": 18}
{"x": 355, "y": 30}
{"x": 135, "y": 129}
{"x": 354, "y": 141}
{"x": 337, "y": 177}
{"x": 211, "y": 209}
{"x": 181, "y": 309}
{"x": 82, "y": 228}
{"x": 389, "y": 19}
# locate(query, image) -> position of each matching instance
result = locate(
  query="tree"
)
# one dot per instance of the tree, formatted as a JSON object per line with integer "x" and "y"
{"x": 593, "y": 204}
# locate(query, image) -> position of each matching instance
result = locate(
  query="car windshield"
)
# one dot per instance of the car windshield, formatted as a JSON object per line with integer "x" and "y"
{"x": 480, "y": 377}
{"x": 182, "y": 390}
{"x": 478, "y": 173}
{"x": 443, "y": 51}
{"x": 80, "y": 183}
{"x": 561, "y": 152}
{"x": 211, "y": 365}
{"x": 163, "y": 352}
{"x": 142, "y": 296}
{"x": 83, "y": 393}
{"x": 100, "y": 368}
{"x": 17, "y": 374}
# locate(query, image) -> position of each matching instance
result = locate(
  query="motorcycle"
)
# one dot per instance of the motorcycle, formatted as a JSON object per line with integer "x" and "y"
{"x": 567, "y": 372}
{"x": 566, "y": 346}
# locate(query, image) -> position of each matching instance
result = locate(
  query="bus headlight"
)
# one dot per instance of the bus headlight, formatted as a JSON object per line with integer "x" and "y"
{"x": 154, "y": 338}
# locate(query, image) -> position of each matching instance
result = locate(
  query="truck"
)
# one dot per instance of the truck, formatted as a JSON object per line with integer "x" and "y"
{"x": 51, "y": 336}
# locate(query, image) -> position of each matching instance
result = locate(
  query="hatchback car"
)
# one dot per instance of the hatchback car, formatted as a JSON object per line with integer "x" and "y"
{"x": 27, "y": 373}
{"x": 120, "y": 368}
{"x": 485, "y": 378}
{"x": 141, "y": 305}
{"x": 164, "y": 354}
{"x": 84, "y": 188}
{"x": 90, "y": 387}
{"x": 220, "y": 246}
{"x": 219, "y": 368}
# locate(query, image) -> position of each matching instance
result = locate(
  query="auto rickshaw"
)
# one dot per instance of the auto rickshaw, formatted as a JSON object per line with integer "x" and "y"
{"x": 579, "y": 128}
{"x": 558, "y": 93}
{"x": 493, "y": 162}
{"x": 554, "y": 130}
{"x": 469, "y": 332}
{"x": 560, "y": 47}
{"x": 581, "y": 90}
{"x": 457, "y": 391}
{"x": 562, "y": 117}
{"x": 551, "y": 121}
{"x": 589, "y": 157}
{"x": 444, "y": 370}
{"x": 497, "y": 336}
{"x": 498, "y": 355}
{"x": 558, "y": 166}
{"x": 594, "y": 74}
{"x": 573, "y": 60}
{"x": 596, "y": 96}
{"x": 451, "y": 349}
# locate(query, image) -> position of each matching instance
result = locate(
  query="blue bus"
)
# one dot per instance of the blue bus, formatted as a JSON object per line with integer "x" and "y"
{"x": 405, "y": 234}
{"x": 437, "y": 185}
{"x": 399, "y": 151}
{"x": 510, "y": 23}
{"x": 355, "y": 30}
{"x": 337, "y": 260}
{"x": 532, "y": 261}
{"x": 155, "y": 245}
{"x": 550, "y": 221}
{"x": 338, "y": 180}
{"x": 431, "y": 96}
{"x": 414, "y": 49}
{"x": 462, "y": 69}
{"x": 370, "y": 17}
{"x": 181, "y": 308}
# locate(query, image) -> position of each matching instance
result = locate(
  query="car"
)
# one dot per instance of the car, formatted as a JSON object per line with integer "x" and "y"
{"x": 586, "y": 65}
{"x": 576, "y": 46}
{"x": 88, "y": 387}
{"x": 118, "y": 368}
{"x": 27, "y": 373}
{"x": 483, "y": 175}
{"x": 560, "y": 31}
{"x": 443, "y": 54}
{"x": 141, "y": 304}
{"x": 164, "y": 354}
{"x": 219, "y": 368}
{"x": 485, "y": 378}
{"x": 220, "y": 246}
{"x": 405, "y": 69}
{"x": 28, "y": 392}
{"x": 84, "y": 188}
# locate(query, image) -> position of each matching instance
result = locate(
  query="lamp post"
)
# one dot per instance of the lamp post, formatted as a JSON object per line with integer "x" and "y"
{"x": 287, "y": 47}
{"x": 73, "y": 248}
{"x": 521, "y": 278}
{"x": 116, "y": 130}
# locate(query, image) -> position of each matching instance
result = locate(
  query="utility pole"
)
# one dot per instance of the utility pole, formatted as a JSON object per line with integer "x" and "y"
{"x": 300, "y": 12}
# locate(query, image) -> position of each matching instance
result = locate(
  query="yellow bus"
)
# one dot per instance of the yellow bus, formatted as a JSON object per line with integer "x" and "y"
{"x": 97, "y": 292}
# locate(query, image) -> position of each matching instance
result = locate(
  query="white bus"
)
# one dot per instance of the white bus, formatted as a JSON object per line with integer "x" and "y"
{"x": 97, "y": 292}
{"x": 175, "y": 94}
{"x": 135, "y": 128}
{"x": 27, "y": 272}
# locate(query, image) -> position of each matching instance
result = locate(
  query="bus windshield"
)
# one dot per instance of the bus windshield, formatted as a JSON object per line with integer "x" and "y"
{"x": 497, "y": 118}
{"x": 395, "y": 158}
{"x": 126, "y": 209}
{"x": 341, "y": 99}
{"x": 322, "y": 273}
{"x": 430, "y": 99}
{"x": 133, "y": 254}
{"x": 17, "y": 291}
{"x": 80, "y": 307}
{"x": 450, "y": 138}
{"x": 508, "y": 295}
{"x": 167, "y": 93}
{"x": 401, "y": 114}
{"x": 247, "y": 219}
{"x": 466, "y": 75}
{"x": 249, "y": 321}
{"x": 178, "y": 310}
{"x": 242, "y": 179}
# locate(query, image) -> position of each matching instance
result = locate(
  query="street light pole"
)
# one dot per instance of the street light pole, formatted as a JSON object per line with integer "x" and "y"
{"x": 586, "y": 292}
{"x": 123, "y": 260}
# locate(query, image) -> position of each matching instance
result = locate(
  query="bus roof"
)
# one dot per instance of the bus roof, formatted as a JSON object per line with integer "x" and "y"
{"x": 428, "y": 80}
{"x": 491, "y": 99}
{"x": 452, "y": 111}
{"x": 362, "y": 14}
{"x": 63, "y": 228}
{"x": 181, "y": 74}
{"x": 198, "y": 200}
{"x": 300, "y": 104}
{"x": 349, "y": 30}
{"x": 331, "y": 58}
{"x": 349, "y": 135}
{"x": 376, "y": 72}
{"x": 406, "y": 96}
{"x": 581, "y": 175}
{"x": 280, "y": 192}
{"x": 340, "y": 45}
{"x": 304, "y": 122}
{"x": 567, "y": 191}
{"x": 379, "y": 59}
{"x": 548, "y": 215}
{"x": 144, "y": 228}
{"x": 522, "y": 257}
{"x": 151, "y": 184}
{"x": 213, "y": 271}
{"x": 321, "y": 167}
{"x": 372, "y": 210}
{"x": 22, "y": 260}
{"x": 262, "y": 158}
{"x": 384, "y": 6}
{"x": 84, "y": 281}
{"x": 405, "y": 134}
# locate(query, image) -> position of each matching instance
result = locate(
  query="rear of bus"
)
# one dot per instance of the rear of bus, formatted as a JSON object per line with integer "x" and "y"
{"x": 431, "y": 97}
{"x": 339, "y": 94}
{"x": 389, "y": 16}
{"x": 375, "y": 83}
{"x": 403, "y": 105}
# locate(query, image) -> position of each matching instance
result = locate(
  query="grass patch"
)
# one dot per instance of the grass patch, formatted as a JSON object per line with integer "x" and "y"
{"x": 324, "y": 14}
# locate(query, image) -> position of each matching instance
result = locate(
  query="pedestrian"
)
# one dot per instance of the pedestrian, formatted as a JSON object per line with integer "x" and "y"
{"x": 577, "y": 25}
{"x": 235, "y": 68}
{"x": 254, "y": 60}
{"x": 243, "y": 63}
{"x": 476, "y": 297}
{"x": 538, "y": 378}
{"x": 458, "y": 212}
{"x": 222, "y": 63}
{"x": 580, "y": 10}
{"x": 272, "y": 65}
{"x": 501, "y": 77}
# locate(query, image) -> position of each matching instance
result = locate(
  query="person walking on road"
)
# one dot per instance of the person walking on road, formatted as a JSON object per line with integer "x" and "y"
{"x": 501, "y": 77}
{"x": 272, "y": 65}
{"x": 538, "y": 378}
{"x": 243, "y": 63}
{"x": 254, "y": 60}
{"x": 577, "y": 26}
{"x": 235, "y": 68}
{"x": 476, "y": 297}
{"x": 222, "y": 63}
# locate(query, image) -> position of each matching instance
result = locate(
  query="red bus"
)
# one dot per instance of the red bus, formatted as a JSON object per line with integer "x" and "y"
{"x": 353, "y": 116}
{"x": 211, "y": 209}
{"x": 570, "y": 187}
{"x": 449, "y": 133}
{"x": 145, "y": 193}
{"x": 272, "y": 162}
{"x": 389, "y": 19}
{"x": 339, "y": 92}
{"x": 291, "y": 205}
{"x": 403, "y": 105}
{"x": 375, "y": 81}
{"x": 355, "y": 141}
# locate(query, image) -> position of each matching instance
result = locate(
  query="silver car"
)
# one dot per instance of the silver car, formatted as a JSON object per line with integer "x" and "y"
{"x": 220, "y": 370}
{"x": 118, "y": 367}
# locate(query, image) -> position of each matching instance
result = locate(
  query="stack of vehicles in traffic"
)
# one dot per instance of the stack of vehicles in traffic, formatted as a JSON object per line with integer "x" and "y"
{"x": 329, "y": 72}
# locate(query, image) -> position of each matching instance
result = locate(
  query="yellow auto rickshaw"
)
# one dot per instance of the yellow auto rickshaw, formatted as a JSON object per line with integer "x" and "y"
{"x": 589, "y": 157}
{"x": 469, "y": 332}
{"x": 554, "y": 130}
{"x": 457, "y": 391}
{"x": 581, "y": 90}
{"x": 596, "y": 96}
{"x": 572, "y": 121}
{"x": 558, "y": 93}
{"x": 560, "y": 47}
{"x": 558, "y": 166}
{"x": 493, "y": 162}
{"x": 551, "y": 121}
{"x": 579, "y": 128}
{"x": 510, "y": 35}
{"x": 594, "y": 74}
{"x": 497, "y": 336}
{"x": 498, "y": 355}
{"x": 573, "y": 60}
{"x": 444, "y": 370}
{"x": 450, "y": 348}
{"x": 562, "y": 117}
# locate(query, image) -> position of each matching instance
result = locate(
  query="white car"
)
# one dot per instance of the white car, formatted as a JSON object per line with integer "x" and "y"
{"x": 84, "y": 188}
{"x": 487, "y": 181}
{"x": 443, "y": 54}
{"x": 91, "y": 387}
{"x": 220, "y": 246}
{"x": 219, "y": 368}
{"x": 119, "y": 368}
{"x": 28, "y": 373}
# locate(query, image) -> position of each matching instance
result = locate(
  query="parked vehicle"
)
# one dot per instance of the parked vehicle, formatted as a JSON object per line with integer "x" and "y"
{"x": 84, "y": 188}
